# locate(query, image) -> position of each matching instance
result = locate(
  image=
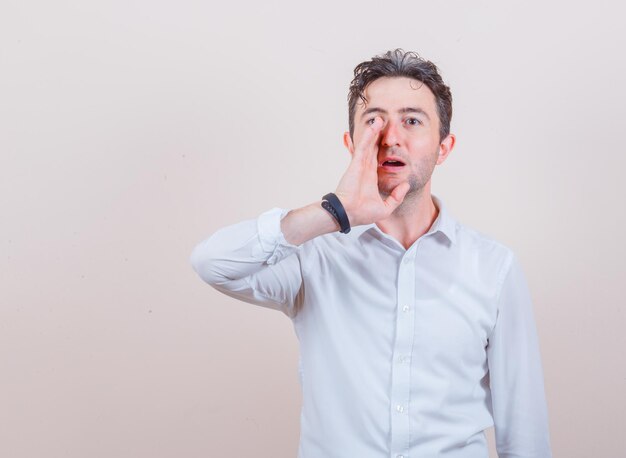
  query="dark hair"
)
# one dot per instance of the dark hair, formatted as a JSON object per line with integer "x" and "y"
{"x": 399, "y": 63}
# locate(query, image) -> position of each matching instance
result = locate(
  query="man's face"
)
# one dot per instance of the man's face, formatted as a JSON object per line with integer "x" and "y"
{"x": 410, "y": 132}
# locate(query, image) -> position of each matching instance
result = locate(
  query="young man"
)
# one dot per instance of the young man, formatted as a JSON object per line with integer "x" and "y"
{"x": 416, "y": 332}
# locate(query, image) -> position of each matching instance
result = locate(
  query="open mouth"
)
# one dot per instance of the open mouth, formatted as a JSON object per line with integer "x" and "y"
{"x": 392, "y": 165}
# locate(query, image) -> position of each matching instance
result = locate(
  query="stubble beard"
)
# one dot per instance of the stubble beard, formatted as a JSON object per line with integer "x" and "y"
{"x": 417, "y": 180}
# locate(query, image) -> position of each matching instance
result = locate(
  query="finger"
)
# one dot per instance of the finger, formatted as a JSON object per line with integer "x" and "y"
{"x": 369, "y": 139}
{"x": 372, "y": 146}
{"x": 397, "y": 196}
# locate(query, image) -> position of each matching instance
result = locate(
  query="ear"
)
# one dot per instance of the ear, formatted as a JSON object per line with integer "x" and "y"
{"x": 446, "y": 147}
{"x": 347, "y": 142}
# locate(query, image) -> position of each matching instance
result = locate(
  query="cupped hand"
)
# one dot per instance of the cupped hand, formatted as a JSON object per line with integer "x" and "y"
{"x": 358, "y": 188}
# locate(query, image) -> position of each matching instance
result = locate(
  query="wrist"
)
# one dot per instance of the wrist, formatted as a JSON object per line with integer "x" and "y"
{"x": 302, "y": 224}
{"x": 333, "y": 205}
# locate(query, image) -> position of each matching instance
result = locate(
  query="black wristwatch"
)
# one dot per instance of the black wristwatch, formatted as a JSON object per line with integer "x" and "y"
{"x": 332, "y": 203}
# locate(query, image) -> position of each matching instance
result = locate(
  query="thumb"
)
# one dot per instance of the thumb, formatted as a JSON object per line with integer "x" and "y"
{"x": 397, "y": 195}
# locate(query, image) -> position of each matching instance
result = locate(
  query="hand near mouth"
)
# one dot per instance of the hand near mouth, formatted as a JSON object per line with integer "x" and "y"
{"x": 358, "y": 188}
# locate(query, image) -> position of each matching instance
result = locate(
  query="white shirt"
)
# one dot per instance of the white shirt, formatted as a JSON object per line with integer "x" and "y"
{"x": 403, "y": 353}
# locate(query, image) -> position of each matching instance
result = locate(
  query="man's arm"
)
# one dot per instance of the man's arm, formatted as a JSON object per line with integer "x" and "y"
{"x": 306, "y": 223}
{"x": 256, "y": 260}
{"x": 515, "y": 372}
{"x": 251, "y": 260}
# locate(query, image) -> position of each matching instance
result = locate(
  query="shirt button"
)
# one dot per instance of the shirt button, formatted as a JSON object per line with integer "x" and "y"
{"x": 400, "y": 408}
{"x": 406, "y": 308}
{"x": 399, "y": 456}
{"x": 407, "y": 260}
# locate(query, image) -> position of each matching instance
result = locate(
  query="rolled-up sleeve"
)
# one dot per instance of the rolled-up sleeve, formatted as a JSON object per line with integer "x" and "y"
{"x": 253, "y": 262}
{"x": 515, "y": 372}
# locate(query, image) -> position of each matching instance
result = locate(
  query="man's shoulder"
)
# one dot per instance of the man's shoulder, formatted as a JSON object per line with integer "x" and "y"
{"x": 481, "y": 242}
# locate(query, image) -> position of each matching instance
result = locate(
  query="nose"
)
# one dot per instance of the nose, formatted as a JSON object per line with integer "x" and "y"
{"x": 390, "y": 134}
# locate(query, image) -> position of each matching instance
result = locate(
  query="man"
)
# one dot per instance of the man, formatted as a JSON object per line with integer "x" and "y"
{"x": 416, "y": 332}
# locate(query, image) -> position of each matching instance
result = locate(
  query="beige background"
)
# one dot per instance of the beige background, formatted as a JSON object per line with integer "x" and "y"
{"x": 131, "y": 130}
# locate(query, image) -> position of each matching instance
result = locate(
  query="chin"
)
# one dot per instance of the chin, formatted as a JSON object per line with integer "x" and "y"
{"x": 385, "y": 190}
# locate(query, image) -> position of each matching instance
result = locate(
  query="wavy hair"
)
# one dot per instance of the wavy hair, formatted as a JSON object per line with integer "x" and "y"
{"x": 399, "y": 63}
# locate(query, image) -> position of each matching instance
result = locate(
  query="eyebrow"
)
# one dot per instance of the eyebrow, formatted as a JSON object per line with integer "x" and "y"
{"x": 401, "y": 110}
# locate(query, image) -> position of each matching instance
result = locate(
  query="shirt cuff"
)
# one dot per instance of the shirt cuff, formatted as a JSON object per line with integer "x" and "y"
{"x": 271, "y": 238}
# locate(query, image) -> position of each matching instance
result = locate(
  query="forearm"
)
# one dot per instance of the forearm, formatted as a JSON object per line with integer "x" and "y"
{"x": 308, "y": 222}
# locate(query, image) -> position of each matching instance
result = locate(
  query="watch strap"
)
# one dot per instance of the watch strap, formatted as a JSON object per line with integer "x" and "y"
{"x": 333, "y": 205}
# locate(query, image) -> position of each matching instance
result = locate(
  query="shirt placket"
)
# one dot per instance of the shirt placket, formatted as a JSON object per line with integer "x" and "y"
{"x": 401, "y": 367}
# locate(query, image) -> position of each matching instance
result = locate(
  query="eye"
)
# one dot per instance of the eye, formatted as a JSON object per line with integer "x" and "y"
{"x": 413, "y": 121}
{"x": 370, "y": 121}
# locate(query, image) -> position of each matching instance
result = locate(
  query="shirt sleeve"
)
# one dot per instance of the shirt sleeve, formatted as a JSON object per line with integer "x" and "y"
{"x": 515, "y": 372}
{"x": 253, "y": 262}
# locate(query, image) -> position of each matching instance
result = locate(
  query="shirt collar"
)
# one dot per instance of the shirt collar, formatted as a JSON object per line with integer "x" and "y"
{"x": 444, "y": 223}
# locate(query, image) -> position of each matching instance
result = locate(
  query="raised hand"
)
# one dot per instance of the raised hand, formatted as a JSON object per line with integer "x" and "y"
{"x": 358, "y": 188}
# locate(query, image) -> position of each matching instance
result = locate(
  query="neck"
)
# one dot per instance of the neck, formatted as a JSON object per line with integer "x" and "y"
{"x": 412, "y": 219}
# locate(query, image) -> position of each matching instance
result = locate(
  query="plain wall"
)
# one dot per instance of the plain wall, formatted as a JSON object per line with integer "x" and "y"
{"x": 131, "y": 130}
